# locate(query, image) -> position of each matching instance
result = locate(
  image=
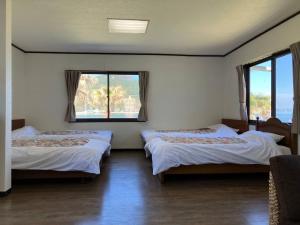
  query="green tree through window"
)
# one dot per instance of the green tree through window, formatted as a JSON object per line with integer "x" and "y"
{"x": 106, "y": 96}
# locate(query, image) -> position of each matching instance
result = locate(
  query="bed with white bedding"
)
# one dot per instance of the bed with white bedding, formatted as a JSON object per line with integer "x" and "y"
{"x": 58, "y": 154}
{"x": 61, "y": 154}
{"x": 252, "y": 147}
{"x": 215, "y": 152}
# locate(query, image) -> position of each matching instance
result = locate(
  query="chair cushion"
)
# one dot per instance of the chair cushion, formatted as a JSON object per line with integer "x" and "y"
{"x": 286, "y": 175}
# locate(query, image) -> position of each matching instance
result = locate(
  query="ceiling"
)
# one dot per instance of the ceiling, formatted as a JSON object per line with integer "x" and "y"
{"x": 176, "y": 26}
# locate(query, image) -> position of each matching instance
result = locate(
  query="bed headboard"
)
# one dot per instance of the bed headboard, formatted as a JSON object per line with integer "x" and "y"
{"x": 241, "y": 125}
{"x": 18, "y": 123}
{"x": 274, "y": 125}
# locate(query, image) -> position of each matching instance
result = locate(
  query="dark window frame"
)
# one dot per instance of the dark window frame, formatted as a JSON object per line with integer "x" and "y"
{"x": 271, "y": 58}
{"x": 108, "y": 73}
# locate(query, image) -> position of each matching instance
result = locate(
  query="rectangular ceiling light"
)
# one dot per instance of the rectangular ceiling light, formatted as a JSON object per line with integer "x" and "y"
{"x": 127, "y": 26}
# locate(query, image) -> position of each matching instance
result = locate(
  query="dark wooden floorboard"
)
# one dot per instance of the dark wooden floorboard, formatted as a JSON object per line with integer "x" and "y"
{"x": 127, "y": 193}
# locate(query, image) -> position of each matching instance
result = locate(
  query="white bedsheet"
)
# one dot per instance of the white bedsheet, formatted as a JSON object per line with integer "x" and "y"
{"x": 257, "y": 150}
{"x": 221, "y": 131}
{"x": 83, "y": 158}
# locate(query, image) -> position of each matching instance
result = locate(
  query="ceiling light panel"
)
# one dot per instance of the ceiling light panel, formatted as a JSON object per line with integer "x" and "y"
{"x": 127, "y": 26}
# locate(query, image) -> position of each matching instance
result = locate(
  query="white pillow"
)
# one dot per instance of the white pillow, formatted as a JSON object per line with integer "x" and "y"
{"x": 27, "y": 131}
{"x": 224, "y": 130}
{"x": 276, "y": 137}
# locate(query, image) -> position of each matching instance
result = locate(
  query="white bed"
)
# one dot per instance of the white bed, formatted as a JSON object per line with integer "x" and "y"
{"x": 254, "y": 148}
{"x": 75, "y": 150}
{"x": 84, "y": 158}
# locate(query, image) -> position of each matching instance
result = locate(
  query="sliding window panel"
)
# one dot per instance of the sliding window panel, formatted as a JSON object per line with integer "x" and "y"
{"x": 284, "y": 88}
{"x": 260, "y": 104}
{"x": 91, "y": 101}
{"x": 124, "y": 100}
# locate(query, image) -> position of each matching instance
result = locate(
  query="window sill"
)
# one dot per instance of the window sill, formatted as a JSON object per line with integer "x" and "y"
{"x": 252, "y": 122}
{"x": 91, "y": 120}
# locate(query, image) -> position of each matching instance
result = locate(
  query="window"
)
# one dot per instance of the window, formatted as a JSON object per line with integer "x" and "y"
{"x": 270, "y": 88}
{"x": 284, "y": 88}
{"x": 105, "y": 96}
{"x": 261, "y": 91}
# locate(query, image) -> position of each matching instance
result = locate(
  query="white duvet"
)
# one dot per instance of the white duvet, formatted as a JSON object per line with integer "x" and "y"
{"x": 221, "y": 131}
{"x": 85, "y": 158}
{"x": 257, "y": 150}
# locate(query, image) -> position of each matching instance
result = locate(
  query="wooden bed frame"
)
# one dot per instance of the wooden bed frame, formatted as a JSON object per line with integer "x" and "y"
{"x": 271, "y": 125}
{"x": 46, "y": 174}
{"x": 241, "y": 125}
{"x": 274, "y": 125}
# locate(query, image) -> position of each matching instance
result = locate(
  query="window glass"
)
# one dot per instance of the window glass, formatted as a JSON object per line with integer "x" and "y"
{"x": 107, "y": 96}
{"x": 124, "y": 101}
{"x": 284, "y": 88}
{"x": 91, "y": 97}
{"x": 260, "y": 91}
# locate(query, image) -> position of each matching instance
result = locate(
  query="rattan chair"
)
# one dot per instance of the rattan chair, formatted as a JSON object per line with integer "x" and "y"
{"x": 284, "y": 195}
{"x": 273, "y": 203}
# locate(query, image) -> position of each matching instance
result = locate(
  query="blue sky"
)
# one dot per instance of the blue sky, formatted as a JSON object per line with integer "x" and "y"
{"x": 284, "y": 81}
{"x": 260, "y": 82}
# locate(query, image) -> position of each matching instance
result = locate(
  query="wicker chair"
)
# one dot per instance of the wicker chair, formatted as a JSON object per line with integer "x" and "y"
{"x": 284, "y": 186}
{"x": 273, "y": 203}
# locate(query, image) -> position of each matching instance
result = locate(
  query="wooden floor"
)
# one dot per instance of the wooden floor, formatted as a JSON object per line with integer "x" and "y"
{"x": 127, "y": 193}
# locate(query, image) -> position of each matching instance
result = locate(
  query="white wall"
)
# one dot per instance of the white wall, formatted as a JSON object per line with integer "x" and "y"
{"x": 5, "y": 95}
{"x": 277, "y": 39}
{"x": 184, "y": 92}
{"x": 18, "y": 81}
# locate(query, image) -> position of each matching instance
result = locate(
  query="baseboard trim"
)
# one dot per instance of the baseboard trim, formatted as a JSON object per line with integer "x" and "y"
{"x": 127, "y": 149}
{"x": 5, "y": 193}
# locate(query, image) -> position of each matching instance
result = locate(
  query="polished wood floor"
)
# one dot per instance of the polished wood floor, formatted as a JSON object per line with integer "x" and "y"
{"x": 127, "y": 193}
